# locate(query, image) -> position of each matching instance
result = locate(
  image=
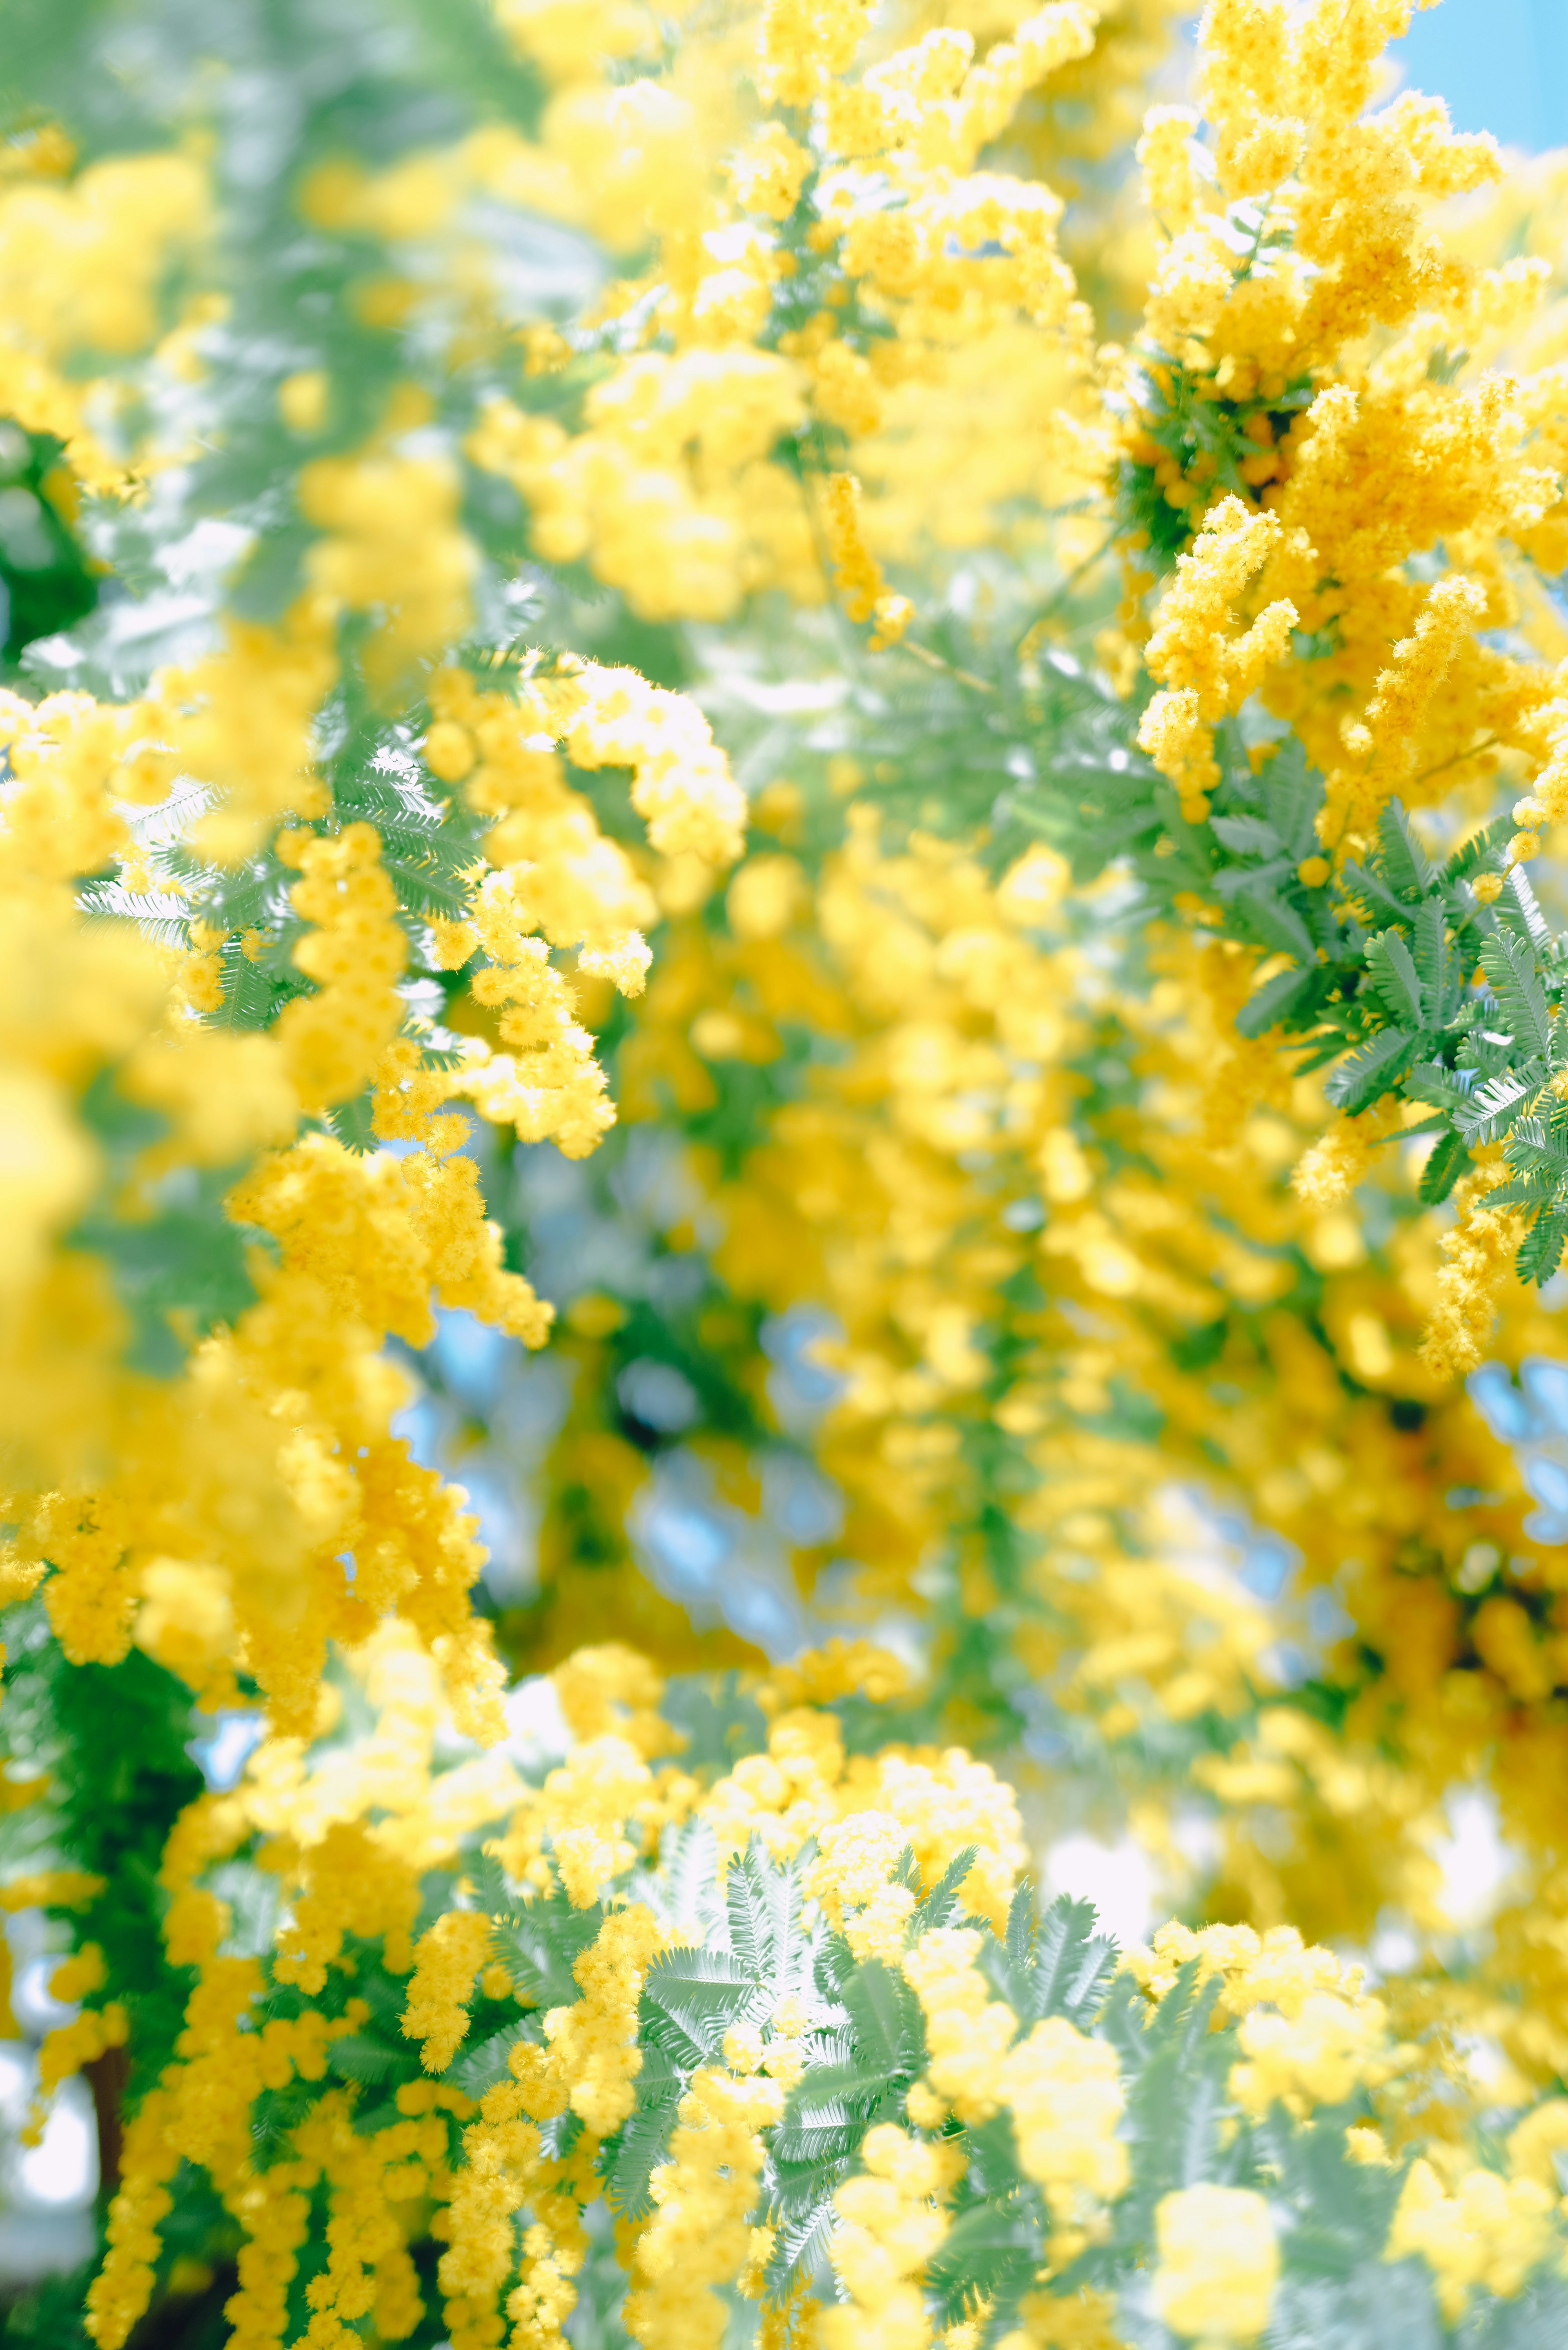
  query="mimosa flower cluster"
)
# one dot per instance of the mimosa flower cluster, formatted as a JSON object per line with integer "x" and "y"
{"x": 767, "y": 780}
{"x": 638, "y": 1986}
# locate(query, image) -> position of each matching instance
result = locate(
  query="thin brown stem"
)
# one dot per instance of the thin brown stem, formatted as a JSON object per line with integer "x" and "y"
{"x": 948, "y": 669}
{"x": 1458, "y": 759}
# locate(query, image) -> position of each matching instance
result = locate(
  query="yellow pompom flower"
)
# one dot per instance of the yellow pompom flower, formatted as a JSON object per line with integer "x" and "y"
{"x": 447, "y": 1962}
{"x": 1219, "y": 2263}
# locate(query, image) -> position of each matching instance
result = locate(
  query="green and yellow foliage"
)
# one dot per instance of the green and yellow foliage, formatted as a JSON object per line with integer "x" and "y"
{"x": 783, "y": 1114}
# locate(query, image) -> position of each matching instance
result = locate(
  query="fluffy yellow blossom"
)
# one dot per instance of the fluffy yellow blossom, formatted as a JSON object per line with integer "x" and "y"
{"x": 583, "y": 1808}
{"x": 1275, "y": 1968}
{"x": 890, "y": 2221}
{"x": 850, "y": 1878}
{"x": 347, "y": 1880}
{"x": 968, "y": 2033}
{"x": 1488, "y": 2232}
{"x": 1062, "y": 2090}
{"x": 613, "y": 1691}
{"x": 1164, "y": 157}
{"x": 671, "y": 492}
{"x": 681, "y": 786}
{"x": 1320, "y": 2056}
{"x": 354, "y": 874}
{"x": 1079, "y": 2321}
{"x": 858, "y": 575}
{"x": 767, "y": 174}
{"x": 1219, "y": 2263}
{"x": 1477, "y": 1254}
{"x": 1331, "y": 1169}
{"x": 548, "y": 1083}
{"x": 1206, "y": 669}
{"x": 1066, "y": 2098}
{"x": 1534, "y": 2145}
{"x": 68, "y": 2047}
{"x": 447, "y": 1961}
{"x": 79, "y": 268}
{"x": 593, "y": 2044}
{"x": 391, "y": 541}
{"x": 805, "y": 42}
{"x": 332, "y": 1041}
{"x": 47, "y": 1177}
{"x": 697, "y": 2237}
{"x": 61, "y": 1888}
{"x": 240, "y": 721}
{"x": 945, "y": 1802}
{"x": 118, "y": 2293}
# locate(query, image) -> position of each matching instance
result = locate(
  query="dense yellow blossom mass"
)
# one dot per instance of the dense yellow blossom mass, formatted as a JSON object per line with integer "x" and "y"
{"x": 783, "y": 1129}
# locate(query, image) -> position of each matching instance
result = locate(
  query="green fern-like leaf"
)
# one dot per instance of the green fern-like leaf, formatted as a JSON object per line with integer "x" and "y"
{"x": 1482, "y": 852}
{"x": 355, "y": 2057}
{"x": 1518, "y": 910}
{"x": 1374, "y": 1070}
{"x": 941, "y": 1905}
{"x": 1246, "y": 835}
{"x": 1446, "y": 1162}
{"x": 691, "y": 1998}
{"x": 1495, "y": 1104}
{"x": 483, "y": 2066}
{"x": 1401, "y": 861}
{"x": 540, "y": 1947}
{"x": 1072, "y": 1962}
{"x": 1264, "y": 915}
{"x": 1434, "y": 961}
{"x": 1273, "y": 1004}
{"x": 884, "y": 2018}
{"x": 1509, "y": 965}
{"x": 491, "y": 1890}
{"x": 1541, "y": 1250}
{"x": 645, "y": 2140}
{"x": 1396, "y": 978}
{"x": 990, "y": 2255}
